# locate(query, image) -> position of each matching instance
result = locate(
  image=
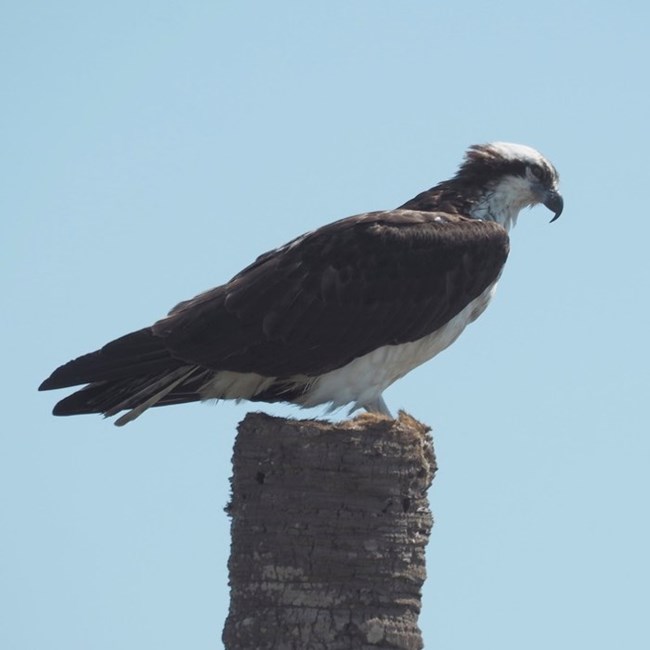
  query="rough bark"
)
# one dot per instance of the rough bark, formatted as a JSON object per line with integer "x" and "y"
{"x": 329, "y": 527}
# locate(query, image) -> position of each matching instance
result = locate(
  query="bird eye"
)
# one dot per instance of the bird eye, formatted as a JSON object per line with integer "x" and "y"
{"x": 536, "y": 173}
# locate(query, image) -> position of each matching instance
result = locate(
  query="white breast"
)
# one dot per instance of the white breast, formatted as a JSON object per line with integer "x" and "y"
{"x": 363, "y": 380}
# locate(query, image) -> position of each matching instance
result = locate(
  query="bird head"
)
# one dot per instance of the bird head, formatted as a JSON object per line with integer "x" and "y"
{"x": 511, "y": 177}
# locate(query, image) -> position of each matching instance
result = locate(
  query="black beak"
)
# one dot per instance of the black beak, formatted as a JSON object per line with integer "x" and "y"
{"x": 555, "y": 203}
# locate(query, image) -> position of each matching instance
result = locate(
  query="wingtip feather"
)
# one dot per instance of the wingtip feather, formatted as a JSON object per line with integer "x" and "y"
{"x": 49, "y": 383}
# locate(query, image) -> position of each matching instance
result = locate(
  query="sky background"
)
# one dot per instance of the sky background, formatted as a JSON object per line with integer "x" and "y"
{"x": 152, "y": 149}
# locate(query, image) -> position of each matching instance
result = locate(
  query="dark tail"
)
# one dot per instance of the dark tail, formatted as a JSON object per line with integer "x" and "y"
{"x": 134, "y": 372}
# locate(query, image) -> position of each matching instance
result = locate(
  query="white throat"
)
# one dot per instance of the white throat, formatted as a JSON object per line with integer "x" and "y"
{"x": 503, "y": 202}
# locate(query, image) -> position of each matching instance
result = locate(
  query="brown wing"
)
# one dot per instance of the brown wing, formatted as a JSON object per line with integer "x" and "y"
{"x": 335, "y": 294}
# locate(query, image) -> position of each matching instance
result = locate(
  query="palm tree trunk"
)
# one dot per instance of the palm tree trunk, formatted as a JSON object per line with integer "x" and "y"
{"x": 329, "y": 527}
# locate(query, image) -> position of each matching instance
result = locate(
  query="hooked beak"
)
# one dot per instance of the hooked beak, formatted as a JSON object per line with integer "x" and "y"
{"x": 554, "y": 202}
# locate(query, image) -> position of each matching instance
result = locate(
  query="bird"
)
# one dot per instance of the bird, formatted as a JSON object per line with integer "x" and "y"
{"x": 335, "y": 316}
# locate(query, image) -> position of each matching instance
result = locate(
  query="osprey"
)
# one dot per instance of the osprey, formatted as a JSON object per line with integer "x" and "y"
{"x": 335, "y": 316}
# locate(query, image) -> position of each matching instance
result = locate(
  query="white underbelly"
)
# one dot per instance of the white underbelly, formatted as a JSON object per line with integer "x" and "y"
{"x": 363, "y": 380}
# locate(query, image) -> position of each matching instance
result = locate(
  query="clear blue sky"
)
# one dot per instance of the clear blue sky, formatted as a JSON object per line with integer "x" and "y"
{"x": 151, "y": 149}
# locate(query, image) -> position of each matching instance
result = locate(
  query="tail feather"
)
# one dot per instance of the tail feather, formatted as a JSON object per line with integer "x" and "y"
{"x": 137, "y": 372}
{"x": 134, "y": 395}
{"x": 131, "y": 373}
{"x": 172, "y": 380}
{"x": 154, "y": 388}
{"x": 95, "y": 398}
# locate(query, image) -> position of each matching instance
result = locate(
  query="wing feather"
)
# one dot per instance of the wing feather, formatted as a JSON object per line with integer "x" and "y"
{"x": 311, "y": 306}
{"x": 335, "y": 294}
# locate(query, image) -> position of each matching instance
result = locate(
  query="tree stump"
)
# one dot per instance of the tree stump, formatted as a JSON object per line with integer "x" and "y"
{"x": 329, "y": 527}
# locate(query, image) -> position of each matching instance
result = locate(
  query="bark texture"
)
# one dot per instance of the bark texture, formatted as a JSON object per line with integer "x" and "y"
{"x": 329, "y": 527}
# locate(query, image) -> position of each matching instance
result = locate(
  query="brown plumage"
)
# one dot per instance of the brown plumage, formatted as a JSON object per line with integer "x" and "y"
{"x": 310, "y": 307}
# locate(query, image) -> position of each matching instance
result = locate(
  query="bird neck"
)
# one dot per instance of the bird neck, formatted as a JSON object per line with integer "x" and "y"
{"x": 503, "y": 201}
{"x": 500, "y": 202}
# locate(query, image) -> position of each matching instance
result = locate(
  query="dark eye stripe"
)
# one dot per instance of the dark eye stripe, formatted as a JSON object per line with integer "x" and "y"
{"x": 543, "y": 173}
